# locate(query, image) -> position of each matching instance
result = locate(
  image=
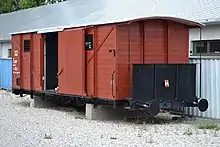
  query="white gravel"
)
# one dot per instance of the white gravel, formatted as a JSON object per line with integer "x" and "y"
{"x": 23, "y": 126}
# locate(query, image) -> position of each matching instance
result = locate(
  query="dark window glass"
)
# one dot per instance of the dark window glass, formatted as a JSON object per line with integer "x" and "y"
{"x": 18, "y": 81}
{"x": 26, "y": 45}
{"x": 9, "y": 53}
{"x": 214, "y": 46}
{"x": 200, "y": 47}
{"x": 89, "y": 42}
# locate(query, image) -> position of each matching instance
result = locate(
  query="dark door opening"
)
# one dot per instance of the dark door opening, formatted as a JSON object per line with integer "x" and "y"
{"x": 51, "y": 50}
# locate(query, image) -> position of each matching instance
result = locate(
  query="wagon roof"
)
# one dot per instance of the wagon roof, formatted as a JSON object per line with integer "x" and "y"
{"x": 77, "y": 13}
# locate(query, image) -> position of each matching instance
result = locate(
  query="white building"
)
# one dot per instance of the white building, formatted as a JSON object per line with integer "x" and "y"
{"x": 209, "y": 39}
{"x": 204, "y": 47}
{"x": 5, "y": 49}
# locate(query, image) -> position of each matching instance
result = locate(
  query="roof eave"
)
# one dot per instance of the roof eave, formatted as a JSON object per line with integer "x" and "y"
{"x": 5, "y": 40}
{"x": 209, "y": 23}
{"x": 189, "y": 23}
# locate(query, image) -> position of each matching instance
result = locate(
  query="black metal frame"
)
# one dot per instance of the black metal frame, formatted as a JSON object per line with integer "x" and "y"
{"x": 128, "y": 104}
{"x": 72, "y": 98}
{"x": 147, "y": 98}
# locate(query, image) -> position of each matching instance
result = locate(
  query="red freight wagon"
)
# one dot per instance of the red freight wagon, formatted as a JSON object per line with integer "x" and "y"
{"x": 141, "y": 63}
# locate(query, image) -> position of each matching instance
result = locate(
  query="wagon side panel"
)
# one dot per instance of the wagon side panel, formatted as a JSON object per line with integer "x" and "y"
{"x": 105, "y": 80}
{"x": 129, "y": 49}
{"x": 37, "y": 63}
{"x": 26, "y": 50}
{"x": 71, "y": 66}
{"x": 90, "y": 64}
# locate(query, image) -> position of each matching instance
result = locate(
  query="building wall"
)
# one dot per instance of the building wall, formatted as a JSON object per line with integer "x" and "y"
{"x": 210, "y": 83}
{"x": 6, "y": 65}
{"x": 207, "y": 33}
{"x": 210, "y": 71}
{"x": 6, "y": 74}
{"x": 4, "y": 47}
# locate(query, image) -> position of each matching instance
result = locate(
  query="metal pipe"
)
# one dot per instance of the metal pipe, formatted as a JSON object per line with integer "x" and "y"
{"x": 200, "y": 58}
{"x": 129, "y": 62}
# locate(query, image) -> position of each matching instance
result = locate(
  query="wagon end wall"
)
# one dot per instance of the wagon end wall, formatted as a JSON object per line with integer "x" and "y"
{"x": 148, "y": 42}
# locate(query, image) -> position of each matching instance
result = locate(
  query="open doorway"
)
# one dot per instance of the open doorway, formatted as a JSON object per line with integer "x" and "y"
{"x": 51, "y": 61}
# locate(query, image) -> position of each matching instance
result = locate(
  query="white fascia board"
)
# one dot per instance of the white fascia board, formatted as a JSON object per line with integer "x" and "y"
{"x": 50, "y": 30}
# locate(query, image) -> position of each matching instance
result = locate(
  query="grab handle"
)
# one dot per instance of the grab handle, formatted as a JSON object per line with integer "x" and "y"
{"x": 112, "y": 83}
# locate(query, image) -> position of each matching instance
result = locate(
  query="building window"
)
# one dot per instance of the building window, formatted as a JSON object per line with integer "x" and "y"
{"x": 206, "y": 47}
{"x": 214, "y": 47}
{"x": 200, "y": 47}
{"x": 89, "y": 41}
{"x": 26, "y": 45}
{"x": 9, "y": 53}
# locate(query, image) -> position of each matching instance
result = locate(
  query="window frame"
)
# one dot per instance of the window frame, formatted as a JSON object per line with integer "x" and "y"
{"x": 87, "y": 40}
{"x": 27, "y": 45}
{"x": 208, "y": 53}
{"x": 10, "y": 53}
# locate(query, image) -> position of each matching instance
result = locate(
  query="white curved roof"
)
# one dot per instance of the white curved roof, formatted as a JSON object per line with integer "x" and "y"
{"x": 75, "y": 13}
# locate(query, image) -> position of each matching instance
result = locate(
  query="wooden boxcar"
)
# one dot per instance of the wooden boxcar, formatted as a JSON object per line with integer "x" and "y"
{"x": 95, "y": 63}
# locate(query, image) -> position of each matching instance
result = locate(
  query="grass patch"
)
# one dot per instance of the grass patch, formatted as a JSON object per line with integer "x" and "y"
{"x": 209, "y": 127}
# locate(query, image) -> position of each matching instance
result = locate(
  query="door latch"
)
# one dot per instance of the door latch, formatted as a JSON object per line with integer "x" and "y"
{"x": 112, "y": 50}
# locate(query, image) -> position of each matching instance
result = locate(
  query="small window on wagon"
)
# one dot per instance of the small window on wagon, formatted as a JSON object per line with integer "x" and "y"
{"x": 89, "y": 41}
{"x": 26, "y": 45}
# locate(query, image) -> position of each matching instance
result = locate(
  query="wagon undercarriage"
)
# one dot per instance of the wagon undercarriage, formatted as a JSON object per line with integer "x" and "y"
{"x": 153, "y": 108}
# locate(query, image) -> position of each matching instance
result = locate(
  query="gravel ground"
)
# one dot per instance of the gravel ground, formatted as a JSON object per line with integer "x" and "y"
{"x": 23, "y": 126}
